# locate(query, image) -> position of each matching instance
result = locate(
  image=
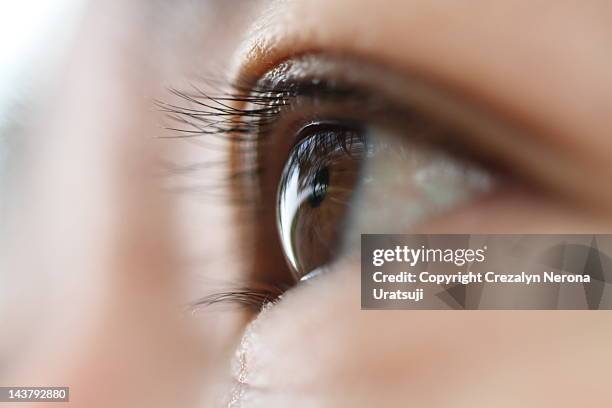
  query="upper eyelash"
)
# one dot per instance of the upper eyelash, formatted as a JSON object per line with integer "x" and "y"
{"x": 226, "y": 115}
{"x": 234, "y": 113}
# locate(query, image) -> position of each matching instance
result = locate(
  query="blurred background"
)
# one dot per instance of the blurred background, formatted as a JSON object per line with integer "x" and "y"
{"x": 33, "y": 33}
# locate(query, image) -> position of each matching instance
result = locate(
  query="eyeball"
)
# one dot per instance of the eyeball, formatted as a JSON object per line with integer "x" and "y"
{"x": 341, "y": 181}
{"x": 315, "y": 191}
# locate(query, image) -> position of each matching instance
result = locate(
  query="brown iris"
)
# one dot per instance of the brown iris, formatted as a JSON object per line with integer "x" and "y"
{"x": 315, "y": 192}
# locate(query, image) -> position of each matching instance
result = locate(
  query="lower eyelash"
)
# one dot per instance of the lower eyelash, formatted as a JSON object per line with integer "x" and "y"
{"x": 251, "y": 298}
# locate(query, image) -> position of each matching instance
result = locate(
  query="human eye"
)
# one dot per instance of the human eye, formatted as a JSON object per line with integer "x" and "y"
{"x": 330, "y": 147}
{"x": 345, "y": 147}
{"x": 364, "y": 168}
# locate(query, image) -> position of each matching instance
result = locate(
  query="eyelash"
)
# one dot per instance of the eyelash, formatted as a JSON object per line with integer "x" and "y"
{"x": 252, "y": 298}
{"x": 221, "y": 116}
{"x": 216, "y": 116}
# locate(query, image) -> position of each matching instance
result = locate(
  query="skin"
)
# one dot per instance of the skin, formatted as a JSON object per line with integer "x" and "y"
{"x": 112, "y": 259}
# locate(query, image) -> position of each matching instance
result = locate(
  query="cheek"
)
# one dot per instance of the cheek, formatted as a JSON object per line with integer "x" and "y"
{"x": 317, "y": 348}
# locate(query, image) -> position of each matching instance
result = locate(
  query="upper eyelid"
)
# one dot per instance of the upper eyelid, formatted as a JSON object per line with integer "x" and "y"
{"x": 287, "y": 85}
{"x": 286, "y": 29}
{"x": 556, "y": 173}
{"x": 534, "y": 82}
{"x": 371, "y": 87}
{"x": 557, "y": 169}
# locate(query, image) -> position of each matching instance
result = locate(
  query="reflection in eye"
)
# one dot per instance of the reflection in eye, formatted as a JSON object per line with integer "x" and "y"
{"x": 316, "y": 186}
{"x": 342, "y": 180}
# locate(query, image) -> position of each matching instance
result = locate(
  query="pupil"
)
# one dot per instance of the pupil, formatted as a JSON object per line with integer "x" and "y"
{"x": 320, "y": 184}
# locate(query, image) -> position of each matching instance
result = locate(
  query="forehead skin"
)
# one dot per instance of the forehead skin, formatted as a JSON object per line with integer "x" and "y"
{"x": 544, "y": 63}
